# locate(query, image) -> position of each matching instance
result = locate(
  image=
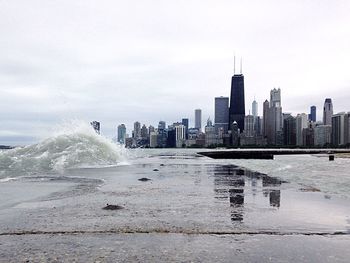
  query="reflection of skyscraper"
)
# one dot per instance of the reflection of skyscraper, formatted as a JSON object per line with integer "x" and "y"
{"x": 237, "y": 105}
{"x": 327, "y": 112}
{"x": 198, "y": 119}
{"x": 221, "y": 113}
{"x": 275, "y": 198}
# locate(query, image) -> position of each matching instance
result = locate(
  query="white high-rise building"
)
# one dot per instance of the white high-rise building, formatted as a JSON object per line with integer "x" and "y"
{"x": 180, "y": 135}
{"x": 249, "y": 126}
{"x": 274, "y": 118}
{"x": 255, "y": 109}
{"x": 301, "y": 123}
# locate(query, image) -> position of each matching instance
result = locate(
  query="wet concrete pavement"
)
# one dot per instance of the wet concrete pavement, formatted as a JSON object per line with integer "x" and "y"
{"x": 192, "y": 209}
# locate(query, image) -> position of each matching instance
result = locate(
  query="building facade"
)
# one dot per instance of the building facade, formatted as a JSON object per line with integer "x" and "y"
{"x": 121, "y": 133}
{"x": 198, "y": 119}
{"x": 237, "y": 103}
{"x": 327, "y": 112}
{"x": 221, "y": 113}
{"x": 301, "y": 123}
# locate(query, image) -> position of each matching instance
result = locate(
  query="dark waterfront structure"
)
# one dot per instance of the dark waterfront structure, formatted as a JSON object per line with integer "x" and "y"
{"x": 312, "y": 115}
{"x": 237, "y": 105}
{"x": 97, "y": 126}
{"x": 221, "y": 113}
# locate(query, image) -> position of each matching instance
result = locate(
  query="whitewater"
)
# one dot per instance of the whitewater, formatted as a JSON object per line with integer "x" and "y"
{"x": 73, "y": 145}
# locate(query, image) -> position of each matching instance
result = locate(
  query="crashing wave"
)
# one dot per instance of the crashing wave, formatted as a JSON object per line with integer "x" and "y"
{"x": 74, "y": 144}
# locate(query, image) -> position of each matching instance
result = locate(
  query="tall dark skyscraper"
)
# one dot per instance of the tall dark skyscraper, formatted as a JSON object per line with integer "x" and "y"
{"x": 312, "y": 115}
{"x": 237, "y": 106}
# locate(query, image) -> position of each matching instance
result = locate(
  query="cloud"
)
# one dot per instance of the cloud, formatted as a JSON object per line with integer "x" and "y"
{"x": 119, "y": 62}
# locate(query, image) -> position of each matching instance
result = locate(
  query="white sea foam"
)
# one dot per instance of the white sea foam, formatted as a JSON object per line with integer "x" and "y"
{"x": 73, "y": 144}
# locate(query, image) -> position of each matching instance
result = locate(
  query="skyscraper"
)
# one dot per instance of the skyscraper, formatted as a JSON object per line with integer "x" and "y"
{"x": 327, "y": 112}
{"x": 338, "y": 129}
{"x": 121, "y": 133}
{"x": 237, "y": 105}
{"x": 221, "y": 113}
{"x": 255, "y": 109}
{"x": 185, "y": 123}
{"x": 289, "y": 129}
{"x": 198, "y": 119}
{"x": 266, "y": 107}
{"x": 136, "y": 133}
{"x": 144, "y": 132}
{"x": 301, "y": 123}
{"x": 312, "y": 115}
{"x": 276, "y": 114}
{"x": 96, "y": 125}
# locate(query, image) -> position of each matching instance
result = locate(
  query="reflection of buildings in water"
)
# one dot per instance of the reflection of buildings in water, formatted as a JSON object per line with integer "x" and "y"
{"x": 274, "y": 195}
{"x": 237, "y": 201}
{"x": 230, "y": 182}
{"x": 275, "y": 198}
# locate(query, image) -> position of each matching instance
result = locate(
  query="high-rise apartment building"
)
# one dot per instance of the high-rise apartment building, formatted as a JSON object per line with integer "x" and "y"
{"x": 96, "y": 125}
{"x": 162, "y": 140}
{"x": 249, "y": 126}
{"x": 221, "y": 113}
{"x": 210, "y": 134}
{"x": 312, "y": 115}
{"x": 254, "y": 108}
{"x": 327, "y": 112}
{"x": 322, "y": 135}
{"x": 136, "y": 133}
{"x": 198, "y": 119}
{"x": 237, "y": 104}
{"x": 121, "y": 133}
{"x": 338, "y": 129}
{"x": 289, "y": 129}
{"x": 301, "y": 123}
{"x": 266, "y": 107}
{"x": 273, "y": 118}
{"x": 185, "y": 122}
{"x": 144, "y": 132}
{"x": 180, "y": 135}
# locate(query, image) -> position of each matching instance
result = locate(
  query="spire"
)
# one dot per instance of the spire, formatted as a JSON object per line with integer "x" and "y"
{"x": 234, "y": 64}
{"x": 241, "y": 65}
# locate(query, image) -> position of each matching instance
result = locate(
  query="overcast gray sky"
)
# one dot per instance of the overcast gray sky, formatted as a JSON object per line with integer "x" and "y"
{"x": 122, "y": 61}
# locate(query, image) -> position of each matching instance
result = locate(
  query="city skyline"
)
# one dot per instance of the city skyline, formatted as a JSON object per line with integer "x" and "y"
{"x": 64, "y": 60}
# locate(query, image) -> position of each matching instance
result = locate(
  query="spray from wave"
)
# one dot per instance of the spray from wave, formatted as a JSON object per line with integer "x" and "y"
{"x": 74, "y": 144}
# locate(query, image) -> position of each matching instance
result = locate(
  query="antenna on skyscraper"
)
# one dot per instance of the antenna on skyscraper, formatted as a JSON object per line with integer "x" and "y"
{"x": 241, "y": 65}
{"x": 234, "y": 64}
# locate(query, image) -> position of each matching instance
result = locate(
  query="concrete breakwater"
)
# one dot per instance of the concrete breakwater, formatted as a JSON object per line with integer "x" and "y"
{"x": 266, "y": 153}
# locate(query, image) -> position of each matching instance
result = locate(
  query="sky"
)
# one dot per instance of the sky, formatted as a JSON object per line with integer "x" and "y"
{"x": 150, "y": 60}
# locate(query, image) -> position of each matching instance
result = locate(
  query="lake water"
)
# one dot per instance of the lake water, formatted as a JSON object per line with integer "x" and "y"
{"x": 53, "y": 194}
